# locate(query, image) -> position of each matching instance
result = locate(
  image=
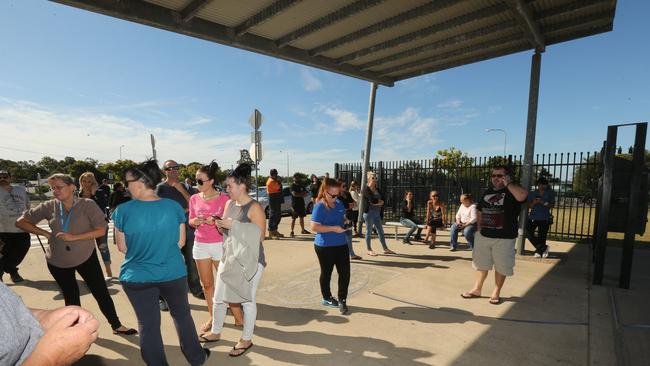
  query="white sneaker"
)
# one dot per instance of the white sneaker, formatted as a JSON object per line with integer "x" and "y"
{"x": 537, "y": 255}
{"x": 545, "y": 255}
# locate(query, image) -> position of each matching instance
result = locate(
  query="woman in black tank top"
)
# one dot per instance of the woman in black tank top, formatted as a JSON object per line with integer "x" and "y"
{"x": 436, "y": 217}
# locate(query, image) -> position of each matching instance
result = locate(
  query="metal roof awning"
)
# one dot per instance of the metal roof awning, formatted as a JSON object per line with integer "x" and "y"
{"x": 383, "y": 41}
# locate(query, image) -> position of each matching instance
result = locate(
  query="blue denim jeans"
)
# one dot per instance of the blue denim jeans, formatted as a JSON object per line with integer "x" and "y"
{"x": 102, "y": 245}
{"x": 468, "y": 232}
{"x": 372, "y": 219}
{"x": 348, "y": 237}
{"x": 413, "y": 225}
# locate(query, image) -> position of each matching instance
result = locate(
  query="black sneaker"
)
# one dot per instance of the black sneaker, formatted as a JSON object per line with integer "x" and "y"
{"x": 331, "y": 302}
{"x": 343, "y": 307}
{"x": 163, "y": 305}
{"x": 16, "y": 277}
{"x": 407, "y": 242}
{"x": 432, "y": 246}
{"x": 207, "y": 354}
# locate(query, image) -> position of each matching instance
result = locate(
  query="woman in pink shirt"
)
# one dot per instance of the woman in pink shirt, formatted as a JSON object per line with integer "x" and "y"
{"x": 205, "y": 207}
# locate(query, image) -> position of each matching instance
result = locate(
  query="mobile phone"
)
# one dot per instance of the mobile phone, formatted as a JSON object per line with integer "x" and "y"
{"x": 216, "y": 217}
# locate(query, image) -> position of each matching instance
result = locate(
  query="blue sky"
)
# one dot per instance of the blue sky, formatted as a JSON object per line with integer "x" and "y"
{"x": 75, "y": 83}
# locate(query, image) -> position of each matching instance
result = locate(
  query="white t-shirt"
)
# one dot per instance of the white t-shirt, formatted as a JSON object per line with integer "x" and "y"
{"x": 467, "y": 215}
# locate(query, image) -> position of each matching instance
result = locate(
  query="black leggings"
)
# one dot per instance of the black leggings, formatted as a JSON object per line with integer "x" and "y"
{"x": 328, "y": 257}
{"x": 91, "y": 272}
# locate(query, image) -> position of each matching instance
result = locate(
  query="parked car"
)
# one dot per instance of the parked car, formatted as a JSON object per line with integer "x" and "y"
{"x": 286, "y": 205}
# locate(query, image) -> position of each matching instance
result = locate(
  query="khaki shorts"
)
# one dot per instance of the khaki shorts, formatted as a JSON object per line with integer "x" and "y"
{"x": 494, "y": 252}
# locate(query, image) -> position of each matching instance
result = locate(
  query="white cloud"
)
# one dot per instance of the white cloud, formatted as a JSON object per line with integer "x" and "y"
{"x": 451, "y": 104}
{"x": 407, "y": 135}
{"x": 200, "y": 121}
{"x": 343, "y": 119}
{"x": 43, "y": 130}
{"x": 494, "y": 109}
{"x": 309, "y": 81}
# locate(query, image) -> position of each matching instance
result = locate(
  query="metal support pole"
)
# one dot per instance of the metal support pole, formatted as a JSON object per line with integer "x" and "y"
{"x": 527, "y": 168}
{"x": 366, "y": 155}
{"x": 633, "y": 208}
{"x": 605, "y": 204}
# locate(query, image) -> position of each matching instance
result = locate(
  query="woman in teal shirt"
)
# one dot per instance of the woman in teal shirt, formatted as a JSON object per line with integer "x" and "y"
{"x": 151, "y": 230}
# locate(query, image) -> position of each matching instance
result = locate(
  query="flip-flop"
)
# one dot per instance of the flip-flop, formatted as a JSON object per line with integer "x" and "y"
{"x": 496, "y": 301}
{"x": 388, "y": 251}
{"x": 129, "y": 331}
{"x": 235, "y": 349}
{"x": 203, "y": 339}
{"x": 469, "y": 295}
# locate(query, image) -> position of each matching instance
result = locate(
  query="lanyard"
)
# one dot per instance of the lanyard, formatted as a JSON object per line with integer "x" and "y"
{"x": 64, "y": 224}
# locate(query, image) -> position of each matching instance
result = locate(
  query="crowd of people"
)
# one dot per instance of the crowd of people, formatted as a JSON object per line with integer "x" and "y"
{"x": 179, "y": 239}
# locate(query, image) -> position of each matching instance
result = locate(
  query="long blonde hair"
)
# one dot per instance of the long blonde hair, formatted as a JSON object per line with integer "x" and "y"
{"x": 93, "y": 183}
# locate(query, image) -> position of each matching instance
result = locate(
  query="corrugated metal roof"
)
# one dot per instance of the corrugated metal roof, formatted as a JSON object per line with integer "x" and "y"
{"x": 377, "y": 40}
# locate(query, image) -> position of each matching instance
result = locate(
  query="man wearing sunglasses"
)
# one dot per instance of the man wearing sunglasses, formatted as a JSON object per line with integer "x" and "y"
{"x": 497, "y": 225}
{"x": 178, "y": 191}
{"x": 13, "y": 202}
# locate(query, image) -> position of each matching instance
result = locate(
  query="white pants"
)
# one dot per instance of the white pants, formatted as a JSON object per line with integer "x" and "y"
{"x": 249, "y": 308}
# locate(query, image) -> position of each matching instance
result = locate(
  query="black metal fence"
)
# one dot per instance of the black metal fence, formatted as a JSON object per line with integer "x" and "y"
{"x": 573, "y": 176}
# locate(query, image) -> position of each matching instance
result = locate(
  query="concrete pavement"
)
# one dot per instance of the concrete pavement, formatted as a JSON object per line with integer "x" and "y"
{"x": 405, "y": 309}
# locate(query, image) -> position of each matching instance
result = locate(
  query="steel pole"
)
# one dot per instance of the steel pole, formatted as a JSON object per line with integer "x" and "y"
{"x": 366, "y": 155}
{"x": 527, "y": 168}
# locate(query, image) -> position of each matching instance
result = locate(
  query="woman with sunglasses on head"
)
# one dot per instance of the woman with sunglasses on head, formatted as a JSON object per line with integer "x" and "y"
{"x": 205, "y": 207}
{"x": 151, "y": 232}
{"x": 74, "y": 224}
{"x": 242, "y": 213}
{"x": 89, "y": 189}
{"x": 331, "y": 244}
{"x": 436, "y": 217}
{"x": 374, "y": 201}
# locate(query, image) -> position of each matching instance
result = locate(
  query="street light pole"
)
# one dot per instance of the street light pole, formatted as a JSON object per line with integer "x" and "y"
{"x": 505, "y": 137}
{"x": 121, "y": 146}
{"x": 287, "y": 163}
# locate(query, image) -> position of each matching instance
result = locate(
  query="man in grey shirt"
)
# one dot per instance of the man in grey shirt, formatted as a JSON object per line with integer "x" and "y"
{"x": 13, "y": 202}
{"x": 32, "y": 337}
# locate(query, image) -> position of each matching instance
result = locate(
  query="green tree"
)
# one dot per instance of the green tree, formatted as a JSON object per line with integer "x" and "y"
{"x": 189, "y": 170}
{"x": 585, "y": 181}
{"x": 50, "y": 165}
{"x": 454, "y": 164}
{"x": 116, "y": 169}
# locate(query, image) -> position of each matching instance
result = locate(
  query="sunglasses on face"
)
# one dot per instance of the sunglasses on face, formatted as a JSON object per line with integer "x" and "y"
{"x": 201, "y": 181}
{"x": 373, "y": 178}
{"x": 498, "y": 175}
{"x": 175, "y": 167}
{"x": 331, "y": 195}
{"x": 4, "y": 177}
{"x": 434, "y": 195}
{"x": 127, "y": 181}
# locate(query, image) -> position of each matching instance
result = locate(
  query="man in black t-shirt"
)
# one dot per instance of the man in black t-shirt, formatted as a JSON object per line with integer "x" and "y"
{"x": 298, "y": 194}
{"x": 176, "y": 190}
{"x": 497, "y": 224}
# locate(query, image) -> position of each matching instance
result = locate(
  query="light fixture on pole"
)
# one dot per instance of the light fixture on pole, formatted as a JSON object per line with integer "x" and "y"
{"x": 287, "y": 163}
{"x": 505, "y": 137}
{"x": 121, "y": 146}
